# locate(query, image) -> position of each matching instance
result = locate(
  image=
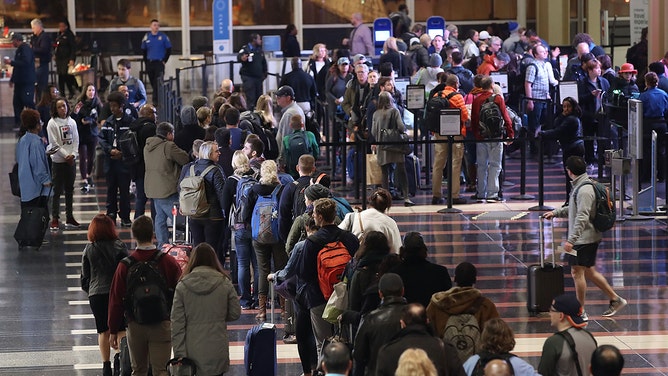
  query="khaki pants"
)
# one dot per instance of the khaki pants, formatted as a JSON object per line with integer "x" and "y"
{"x": 440, "y": 157}
{"x": 152, "y": 342}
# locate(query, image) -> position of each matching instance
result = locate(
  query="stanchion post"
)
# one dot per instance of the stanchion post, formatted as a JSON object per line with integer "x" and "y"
{"x": 541, "y": 180}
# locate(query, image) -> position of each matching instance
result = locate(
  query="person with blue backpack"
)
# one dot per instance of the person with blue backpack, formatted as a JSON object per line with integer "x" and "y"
{"x": 233, "y": 200}
{"x": 296, "y": 144}
{"x": 262, "y": 209}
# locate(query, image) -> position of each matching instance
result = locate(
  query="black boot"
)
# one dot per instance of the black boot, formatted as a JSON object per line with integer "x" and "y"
{"x": 106, "y": 369}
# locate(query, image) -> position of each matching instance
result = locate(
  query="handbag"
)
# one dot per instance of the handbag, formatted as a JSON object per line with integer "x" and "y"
{"x": 14, "y": 180}
{"x": 400, "y": 140}
{"x": 337, "y": 303}
{"x": 374, "y": 174}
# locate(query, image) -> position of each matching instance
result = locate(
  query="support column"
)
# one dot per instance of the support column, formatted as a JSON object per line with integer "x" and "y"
{"x": 657, "y": 37}
{"x": 522, "y": 12}
{"x": 593, "y": 27}
{"x": 298, "y": 20}
{"x": 552, "y": 21}
{"x": 185, "y": 28}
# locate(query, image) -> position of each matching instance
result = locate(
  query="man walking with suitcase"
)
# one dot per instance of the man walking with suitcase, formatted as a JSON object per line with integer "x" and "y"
{"x": 583, "y": 237}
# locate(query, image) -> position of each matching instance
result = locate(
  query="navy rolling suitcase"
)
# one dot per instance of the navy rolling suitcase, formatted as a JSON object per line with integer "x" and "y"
{"x": 260, "y": 357}
{"x": 413, "y": 173}
{"x": 544, "y": 281}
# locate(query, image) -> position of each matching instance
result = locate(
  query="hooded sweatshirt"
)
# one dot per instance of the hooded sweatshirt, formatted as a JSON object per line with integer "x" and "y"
{"x": 427, "y": 77}
{"x": 204, "y": 301}
{"x": 458, "y": 300}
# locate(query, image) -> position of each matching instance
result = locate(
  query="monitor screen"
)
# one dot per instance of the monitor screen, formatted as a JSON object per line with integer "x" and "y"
{"x": 434, "y": 32}
{"x": 400, "y": 84}
{"x": 271, "y": 43}
{"x": 382, "y": 35}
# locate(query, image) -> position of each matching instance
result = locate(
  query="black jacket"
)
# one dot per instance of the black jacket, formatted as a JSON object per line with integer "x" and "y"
{"x": 442, "y": 354}
{"x": 186, "y": 134}
{"x": 66, "y": 50}
{"x": 422, "y": 279}
{"x": 567, "y": 130}
{"x": 286, "y": 206}
{"x": 144, "y": 128}
{"x": 308, "y": 289}
{"x": 256, "y": 68}
{"x": 376, "y": 329}
{"x": 303, "y": 85}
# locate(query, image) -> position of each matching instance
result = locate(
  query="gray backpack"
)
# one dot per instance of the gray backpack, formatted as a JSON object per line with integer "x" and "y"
{"x": 463, "y": 330}
{"x": 192, "y": 194}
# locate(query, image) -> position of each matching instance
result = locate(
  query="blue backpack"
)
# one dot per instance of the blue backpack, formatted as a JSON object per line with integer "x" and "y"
{"x": 264, "y": 221}
{"x": 343, "y": 207}
{"x": 239, "y": 209}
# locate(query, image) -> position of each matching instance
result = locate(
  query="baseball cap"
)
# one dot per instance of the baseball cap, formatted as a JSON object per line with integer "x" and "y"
{"x": 414, "y": 40}
{"x": 343, "y": 60}
{"x": 285, "y": 91}
{"x": 569, "y": 305}
{"x": 17, "y": 36}
{"x": 356, "y": 59}
{"x": 484, "y": 35}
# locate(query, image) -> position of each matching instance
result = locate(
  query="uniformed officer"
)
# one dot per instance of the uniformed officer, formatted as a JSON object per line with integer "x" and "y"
{"x": 156, "y": 48}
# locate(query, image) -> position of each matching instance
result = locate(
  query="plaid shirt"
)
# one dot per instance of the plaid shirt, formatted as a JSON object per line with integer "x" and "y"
{"x": 539, "y": 77}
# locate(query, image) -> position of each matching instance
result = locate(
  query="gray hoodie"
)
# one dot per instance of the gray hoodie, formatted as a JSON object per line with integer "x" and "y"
{"x": 204, "y": 301}
{"x": 580, "y": 211}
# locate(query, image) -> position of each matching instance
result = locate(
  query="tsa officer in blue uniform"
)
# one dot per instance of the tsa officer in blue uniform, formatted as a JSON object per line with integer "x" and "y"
{"x": 157, "y": 48}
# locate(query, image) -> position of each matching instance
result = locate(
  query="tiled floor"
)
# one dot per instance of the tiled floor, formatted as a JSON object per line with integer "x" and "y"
{"x": 46, "y": 326}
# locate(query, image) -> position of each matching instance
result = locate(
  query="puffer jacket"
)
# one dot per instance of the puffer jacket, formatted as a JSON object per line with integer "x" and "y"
{"x": 98, "y": 265}
{"x": 204, "y": 302}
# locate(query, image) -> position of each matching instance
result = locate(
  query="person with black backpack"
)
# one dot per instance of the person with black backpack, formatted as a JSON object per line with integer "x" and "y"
{"x": 496, "y": 342}
{"x": 142, "y": 291}
{"x": 489, "y": 122}
{"x": 584, "y": 237}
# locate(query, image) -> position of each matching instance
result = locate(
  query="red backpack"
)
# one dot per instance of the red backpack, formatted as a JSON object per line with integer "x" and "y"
{"x": 332, "y": 261}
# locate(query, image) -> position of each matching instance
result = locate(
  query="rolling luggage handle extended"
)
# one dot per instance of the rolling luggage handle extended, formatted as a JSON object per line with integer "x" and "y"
{"x": 541, "y": 243}
{"x": 175, "y": 212}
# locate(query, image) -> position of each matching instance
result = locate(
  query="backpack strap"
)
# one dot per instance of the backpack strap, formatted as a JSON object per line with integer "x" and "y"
{"x": 318, "y": 178}
{"x": 206, "y": 170}
{"x": 571, "y": 343}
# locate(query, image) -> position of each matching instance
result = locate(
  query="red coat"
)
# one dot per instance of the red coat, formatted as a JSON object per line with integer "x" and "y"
{"x": 475, "y": 114}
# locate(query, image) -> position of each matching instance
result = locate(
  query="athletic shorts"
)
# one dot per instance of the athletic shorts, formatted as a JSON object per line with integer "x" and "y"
{"x": 586, "y": 255}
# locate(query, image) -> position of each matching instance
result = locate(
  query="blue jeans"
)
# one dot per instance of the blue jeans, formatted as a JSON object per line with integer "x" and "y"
{"x": 488, "y": 155}
{"x": 245, "y": 258}
{"x": 163, "y": 210}
{"x": 141, "y": 199}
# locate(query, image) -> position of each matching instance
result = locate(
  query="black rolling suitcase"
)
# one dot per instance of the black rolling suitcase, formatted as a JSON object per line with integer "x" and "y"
{"x": 32, "y": 226}
{"x": 544, "y": 281}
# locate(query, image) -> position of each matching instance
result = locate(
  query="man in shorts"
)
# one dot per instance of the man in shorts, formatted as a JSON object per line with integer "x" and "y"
{"x": 583, "y": 238}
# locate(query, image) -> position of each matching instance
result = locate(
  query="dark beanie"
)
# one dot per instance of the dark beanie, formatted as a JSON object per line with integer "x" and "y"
{"x": 316, "y": 191}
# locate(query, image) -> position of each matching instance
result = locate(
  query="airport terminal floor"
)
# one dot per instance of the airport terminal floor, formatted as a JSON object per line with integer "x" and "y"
{"x": 46, "y": 326}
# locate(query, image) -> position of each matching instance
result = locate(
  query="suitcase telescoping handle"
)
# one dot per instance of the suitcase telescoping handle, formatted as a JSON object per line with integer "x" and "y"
{"x": 175, "y": 212}
{"x": 272, "y": 302}
{"x": 541, "y": 245}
